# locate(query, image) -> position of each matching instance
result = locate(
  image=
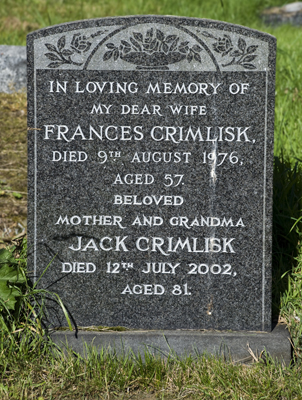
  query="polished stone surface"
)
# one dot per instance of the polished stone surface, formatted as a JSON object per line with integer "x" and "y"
{"x": 150, "y": 171}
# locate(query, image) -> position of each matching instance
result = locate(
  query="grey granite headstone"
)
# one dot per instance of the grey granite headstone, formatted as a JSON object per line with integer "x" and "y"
{"x": 12, "y": 68}
{"x": 288, "y": 14}
{"x": 150, "y": 171}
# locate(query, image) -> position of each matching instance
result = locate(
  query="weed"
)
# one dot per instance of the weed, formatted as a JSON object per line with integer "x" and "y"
{"x": 23, "y": 315}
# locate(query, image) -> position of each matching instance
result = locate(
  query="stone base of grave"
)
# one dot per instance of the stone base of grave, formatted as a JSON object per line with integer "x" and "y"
{"x": 244, "y": 347}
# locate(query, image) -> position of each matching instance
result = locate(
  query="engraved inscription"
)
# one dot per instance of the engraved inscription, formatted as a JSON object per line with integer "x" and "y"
{"x": 150, "y": 171}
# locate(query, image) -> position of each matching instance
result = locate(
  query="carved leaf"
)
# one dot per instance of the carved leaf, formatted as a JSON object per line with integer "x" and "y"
{"x": 149, "y": 35}
{"x": 127, "y": 49}
{"x": 115, "y": 54}
{"x": 190, "y": 57}
{"x": 249, "y": 58}
{"x": 110, "y": 46}
{"x": 138, "y": 36}
{"x": 241, "y": 44}
{"x": 52, "y": 56}
{"x": 125, "y": 43}
{"x": 183, "y": 43}
{"x": 170, "y": 38}
{"x": 174, "y": 44}
{"x": 149, "y": 32}
{"x": 67, "y": 52}
{"x": 197, "y": 57}
{"x": 61, "y": 43}
{"x": 55, "y": 64}
{"x": 207, "y": 34}
{"x": 153, "y": 44}
{"x": 251, "y": 49}
{"x": 51, "y": 47}
{"x": 98, "y": 33}
{"x": 236, "y": 53}
{"x": 182, "y": 49}
{"x": 165, "y": 47}
{"x": 159, "y": 34}
{"x": 135, "y": 44}
{"x": 196, "y": 48}
{"x": 248, "y": 66}
{"x": 108, "y": 55}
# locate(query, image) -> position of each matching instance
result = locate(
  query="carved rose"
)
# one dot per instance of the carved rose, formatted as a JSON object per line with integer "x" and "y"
{"x": 223, "y": 45}
{"x": 80, "y": 43}
{"x": 61, "y": 55}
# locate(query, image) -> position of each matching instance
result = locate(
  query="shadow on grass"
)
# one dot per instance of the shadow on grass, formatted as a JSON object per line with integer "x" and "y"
{"x": 287, "y": 200}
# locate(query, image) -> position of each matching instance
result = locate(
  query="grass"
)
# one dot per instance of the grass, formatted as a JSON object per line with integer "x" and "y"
{"x": 23, "y": 311}
{"x": 108, "y": 376}
{"x": 13, "y": 166}
{"x": 287, "y": 206}
{"x": 30, "y": 366}
{"x": 288, "y": 116}
{"x": 287, "y": 247}
{"x": 18, "y": 17}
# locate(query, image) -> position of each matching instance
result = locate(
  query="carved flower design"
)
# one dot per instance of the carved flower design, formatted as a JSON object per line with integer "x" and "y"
{"x": 125, "y": 47}
{"x": 61, "y": 55}
{"x": 223, "y": 45}
{"x": 242, "y": 56}
{"x": 153, "y": 49}
{"x": 80, "y": 43}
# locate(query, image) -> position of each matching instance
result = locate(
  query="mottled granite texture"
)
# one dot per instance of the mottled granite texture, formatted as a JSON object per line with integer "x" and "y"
{"x": 150, "y": 171}
{"x": 12, "y": 68}
{"x": 230, "y": 346}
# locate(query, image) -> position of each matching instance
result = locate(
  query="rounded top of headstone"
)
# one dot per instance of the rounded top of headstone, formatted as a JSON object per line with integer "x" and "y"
{"x": 142, "y": 19}
{"x": 150, "y": 42}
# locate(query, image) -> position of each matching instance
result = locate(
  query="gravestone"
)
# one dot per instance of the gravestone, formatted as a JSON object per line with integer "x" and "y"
{"x": 12, "y": 68}
{"x": 150, "y": 171}
{"x": 288, "y": 14}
